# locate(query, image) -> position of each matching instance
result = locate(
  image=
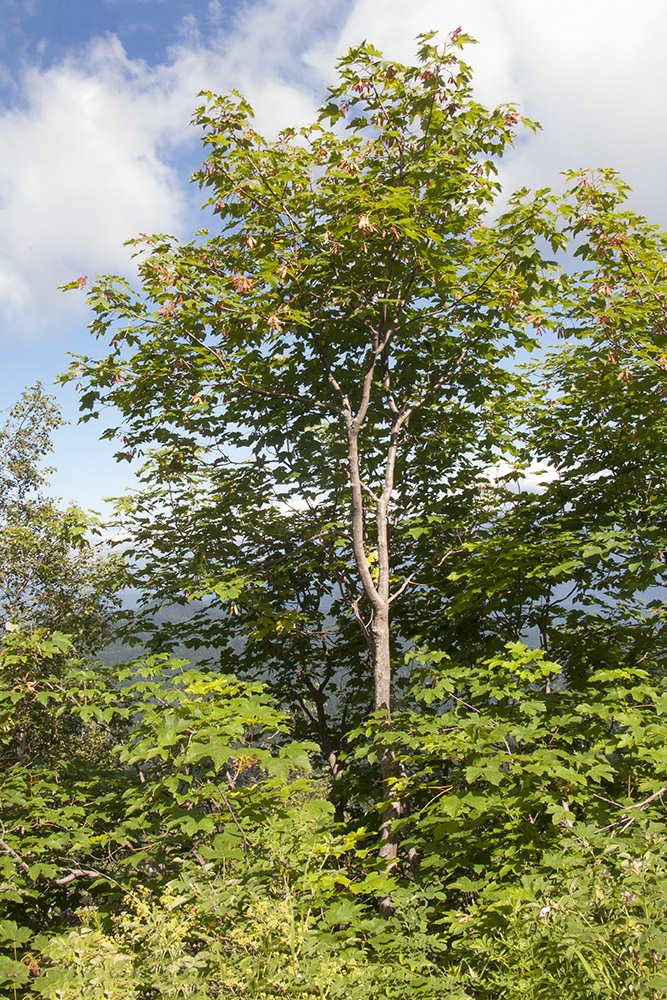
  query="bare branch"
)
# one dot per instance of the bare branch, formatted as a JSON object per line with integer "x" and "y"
{"x": 629, "y": 820}
{"x": 411, "y": 576}
{"x": 10, "y": 850}
{"x": 234, "y": 819}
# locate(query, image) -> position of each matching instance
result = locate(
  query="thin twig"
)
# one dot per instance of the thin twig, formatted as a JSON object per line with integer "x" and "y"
{"x": 236, "y": 822}
{"x": 10, "y": 850}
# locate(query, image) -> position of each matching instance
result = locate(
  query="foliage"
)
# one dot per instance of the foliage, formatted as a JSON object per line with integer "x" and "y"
{"x": 114, "y": 779}
{"x": 538, "y": 816}
{"x": 338, "y": 417}
{"x": 52, "y": 576}
{"x": 542, "y": 866}
{"x": 339, "y": 344}
{"x": 334, "y": 372}
{"x": 568, "y": 545}
{"x": 590, "y": 927}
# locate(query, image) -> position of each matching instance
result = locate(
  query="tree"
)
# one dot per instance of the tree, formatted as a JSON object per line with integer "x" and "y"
{"x": 342, "y": 340}
{"x": 52, "y": 575}
{"x": 321, "y": 388}
{"x": 579, "y": 561}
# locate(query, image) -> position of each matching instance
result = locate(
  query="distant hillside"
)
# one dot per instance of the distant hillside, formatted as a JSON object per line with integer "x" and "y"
{"x": 162, "y": 618}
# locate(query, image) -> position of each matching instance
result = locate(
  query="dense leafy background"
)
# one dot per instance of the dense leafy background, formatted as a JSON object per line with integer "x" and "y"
{"x": 217, "y": 830}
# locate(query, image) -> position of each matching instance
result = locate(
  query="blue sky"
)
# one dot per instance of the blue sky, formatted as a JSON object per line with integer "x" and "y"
{"x": 95, "y": 143}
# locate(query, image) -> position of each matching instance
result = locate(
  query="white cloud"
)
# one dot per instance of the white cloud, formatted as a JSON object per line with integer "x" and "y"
{"x": 392, "y": 26}
{"x": 97, "y": 150}
{"x": 96, "y": 153}
{"x": 531, "y": 479}
{"x": 593, "y": 73}
{"x": 83, "y": 174}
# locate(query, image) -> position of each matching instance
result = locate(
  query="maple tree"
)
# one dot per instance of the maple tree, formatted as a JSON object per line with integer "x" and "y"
{"x": 322, "y": 386}
{"x": 347, "y": 327}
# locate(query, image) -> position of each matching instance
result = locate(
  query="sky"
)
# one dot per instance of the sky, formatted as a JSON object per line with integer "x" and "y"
{"x": 96, "y": 144}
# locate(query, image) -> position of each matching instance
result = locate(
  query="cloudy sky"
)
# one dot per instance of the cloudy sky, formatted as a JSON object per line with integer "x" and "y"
{"x": 95, "y": 143}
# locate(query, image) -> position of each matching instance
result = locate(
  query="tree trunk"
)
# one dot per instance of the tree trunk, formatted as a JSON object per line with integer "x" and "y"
{"x": 378, "y": 596}
{"x": 388, "y": 765}
{"x": 377, "y": 592}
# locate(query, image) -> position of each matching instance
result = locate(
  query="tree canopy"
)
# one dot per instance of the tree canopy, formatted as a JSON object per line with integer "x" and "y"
{"x": 323, "y": 386}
